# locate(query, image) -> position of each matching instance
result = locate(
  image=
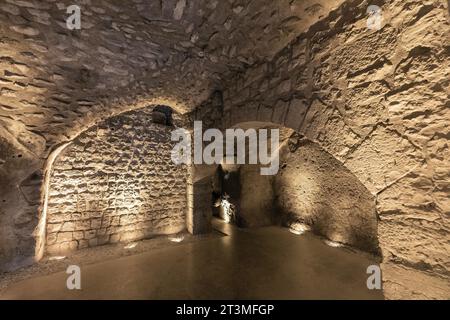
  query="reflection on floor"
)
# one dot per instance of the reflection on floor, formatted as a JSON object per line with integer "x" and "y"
{"x": 263, "y": 263}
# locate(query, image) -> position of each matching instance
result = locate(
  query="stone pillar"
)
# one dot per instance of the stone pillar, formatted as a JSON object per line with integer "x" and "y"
{"x": 21, "y": 163}
{"x": 200, "y": 189}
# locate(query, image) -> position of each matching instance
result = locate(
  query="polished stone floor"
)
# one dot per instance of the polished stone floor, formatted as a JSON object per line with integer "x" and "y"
{"x": 263, "y": 263}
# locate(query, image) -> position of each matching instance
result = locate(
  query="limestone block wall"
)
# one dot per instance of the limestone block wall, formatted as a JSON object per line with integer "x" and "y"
{"x": 116, "y": 182}
{"x": 56, "y": 82}
{"x": 377, "y": 100}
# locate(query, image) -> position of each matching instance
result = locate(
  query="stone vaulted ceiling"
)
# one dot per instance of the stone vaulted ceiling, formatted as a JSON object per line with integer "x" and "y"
{"x": 55, "y": 82}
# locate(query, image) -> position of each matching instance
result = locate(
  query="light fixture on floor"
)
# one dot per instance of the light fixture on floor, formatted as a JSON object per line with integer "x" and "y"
{"x": 131, "y": 245}
{"x": 57, "y": 258}
{"x": 333, "y": 244}
{"x": 299, "y": 228}
{"x": 176, "y": 238}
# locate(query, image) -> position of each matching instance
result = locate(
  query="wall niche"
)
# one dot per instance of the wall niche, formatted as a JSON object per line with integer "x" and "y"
{"x": 116, "y": 183}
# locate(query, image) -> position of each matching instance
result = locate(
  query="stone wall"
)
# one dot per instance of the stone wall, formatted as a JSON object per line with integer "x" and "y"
{"x": 58, "y": 81}
{"x": 116, "y": 182}
{"x": 256, "y": 207}
{"x": 314, "y": 188}
{"x": 20, "y": 195}
{"x": 377, "y": 100}
{"x": 199, "y": 202}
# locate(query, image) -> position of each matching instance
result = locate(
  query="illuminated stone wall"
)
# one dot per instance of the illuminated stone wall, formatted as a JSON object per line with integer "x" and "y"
{"x": 314, "y": 188}
{"x": 116, "y": 182}
{"x": 56, "y": 82}
{"x": 377, "y": 100}
{"x": 20, "y": 195}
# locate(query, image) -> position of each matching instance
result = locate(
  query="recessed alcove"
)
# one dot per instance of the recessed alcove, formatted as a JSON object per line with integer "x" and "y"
{"x": 357, "y": 90}
{"x": 115, "y": 183}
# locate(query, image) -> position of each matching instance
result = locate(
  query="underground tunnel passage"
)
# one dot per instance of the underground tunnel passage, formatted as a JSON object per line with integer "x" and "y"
{"x": 347, "y": 99}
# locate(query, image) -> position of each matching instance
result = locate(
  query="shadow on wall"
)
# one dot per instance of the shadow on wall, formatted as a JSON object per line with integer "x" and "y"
{"x": 315, "y": 188}
{"x": 20, "y": 185}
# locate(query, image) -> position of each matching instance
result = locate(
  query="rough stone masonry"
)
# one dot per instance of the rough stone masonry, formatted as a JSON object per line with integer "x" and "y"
{"x": 376, "y": 100}
{"x": 116, "y": 183}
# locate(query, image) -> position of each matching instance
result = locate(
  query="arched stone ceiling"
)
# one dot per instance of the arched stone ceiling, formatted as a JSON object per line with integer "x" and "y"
{"x": 54, "y": 82}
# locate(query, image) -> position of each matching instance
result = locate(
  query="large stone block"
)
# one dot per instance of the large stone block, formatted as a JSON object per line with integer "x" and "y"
{"x": 382, "y": 158}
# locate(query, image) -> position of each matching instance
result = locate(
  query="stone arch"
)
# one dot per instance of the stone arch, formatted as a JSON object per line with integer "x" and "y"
{"x": 384, "y": 127}
{"x": 316, "y": 122}
{"x": 312, "y": 187}
{"x": 371, "y": 114}
{"x": 21, "y": 179}
{"x": 111, "y": 184}
{"x": 375, "y": 99}
{"x": 25, "y": 157}
{"x": 23, "y": 218}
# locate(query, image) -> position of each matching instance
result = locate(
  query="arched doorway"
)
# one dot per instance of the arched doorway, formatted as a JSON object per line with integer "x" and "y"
{"x": 311, "y": 188}
{"x": 115, "y": 183}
